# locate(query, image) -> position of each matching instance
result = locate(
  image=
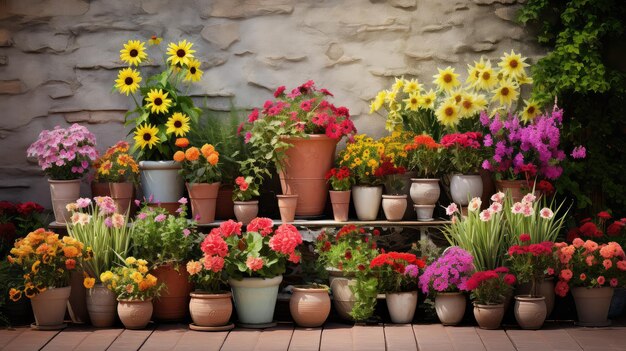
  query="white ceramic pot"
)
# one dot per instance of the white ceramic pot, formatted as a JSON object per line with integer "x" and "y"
{"x": 161, "y": 180}
{"x": 425, "y": 191}
{"x": 450, "y": 307}
{"x": 465, "y": 187}
{"x": 401, "y": 306}
{"x": 255, "y": 298}
{"x": 424, "y": 212}
{"x": 367, "y": 201}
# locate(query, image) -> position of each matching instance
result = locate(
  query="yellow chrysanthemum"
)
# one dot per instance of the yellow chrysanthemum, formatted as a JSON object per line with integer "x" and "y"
{"x": 487, "y": 78}
{"x": 180, "y": 53}
{"x": 133, "y": 52}
{"x": 390, "y": 96}
{"x": 474, "y": 71}
{"x": 457, "y": 96}
{"x": 178, "y": 124}
{"x": 378, "y": 101}
{"x": 427, "y": 101}
{"x": 467, "y": 107}
{"x": 480, "y": 101}
{"x": 531, "y": 110}
{"x": 397, "y": 86}
{"x": 146, "y": 135}
{"x": 413, "y": 102}
{"x": 127, "y": 81}
{"x": 513, "y": 64}
{"x": 448, "y": 113}
{"x": 505, "y": 93}
{"x": 193, "y": 71}
{"x": 446, "y": 79}
{"x": 158, "y": 101}
{"x": 412, "y": 86}
{"x": 154, "y": 40}
{"x": 524, "y": 79}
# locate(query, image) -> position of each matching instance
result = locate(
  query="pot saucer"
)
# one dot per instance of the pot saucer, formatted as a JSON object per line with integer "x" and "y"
{"x": 34, "y": 326}
{"x": 257, "y": 326}
{"x": 195, "y": 327}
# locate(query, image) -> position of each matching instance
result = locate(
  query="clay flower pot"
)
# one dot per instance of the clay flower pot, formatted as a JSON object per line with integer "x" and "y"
{"x": 172, "y": 305}
{"x": 245, "y": 211}
{"x": 49, "y": 308}
{"x": 394, "y": 207}
{"x": 530, "y": 312}
{"x": 341, "y": 204}
{"x": 401, "y": 306}
{"x": 100, "y": 189}
{"x": 210, "y": 310}
{"x": 287, "y": 206}
{"x": 203, "y": 198}
{"x": 464, "y": 187}
{"x": 135, "y": 314}
{"x": 592, "y": 305}
{"x": 517, "y": 188}
{"x": 122, "y": 194}
{"x": 450, "y": 307}
{"x": 367, "y": 201}
{"x": 63, "y": 192}
{"x": 101, "y": 306}
{"x": 309, "y": 306}
{"x": 489, "y": 316}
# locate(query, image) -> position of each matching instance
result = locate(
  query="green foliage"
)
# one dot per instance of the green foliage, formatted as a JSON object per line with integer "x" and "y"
{"x": 365, "y": 292}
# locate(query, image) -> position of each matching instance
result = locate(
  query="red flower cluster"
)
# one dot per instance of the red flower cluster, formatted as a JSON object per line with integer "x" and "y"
{"x": 543, "y": 248}
{"x": 423, "y": 140}
{"x": 338, "y": 173}
{"x": 388, "y": 168}
{"x": 349, "y": 229}
{"x": 261, "y": 225}
{"x": 465, "y": 140}
{"x": 597, "y": 229}
{"x": 397, "y": 260}
{"x": 285, "y": 240}
{"x": 7, "y": 208}
{"x": 7, "y": 232}
{"x": 545, "y": 187}
{"x": 241, "y": 183}
{"x": 479, "y": 277}
{"x": 229, "y": 228}
{"x": 214, "y": 245}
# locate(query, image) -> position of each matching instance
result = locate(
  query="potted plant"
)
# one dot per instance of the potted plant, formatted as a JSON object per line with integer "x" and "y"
{"x": 425, "y": 158}
{"x": 346, "y": 256}
{"x": 98, "y": 225}
{"x": 397, "y": 274}
{"x": 118, "y": 169}
{"x": 592, "y": 271}
{"x": 165, "y": 241}
{"x": 341, "y": 180}
{"x": 394, "y": 202}
{"x": 210, "y": 306}
{"x": 202, "y": 178}
{"x": 465, "y": 153}
{"x": 162, "y": 113}
{"x": 310, "y": 305}
{"x": 363, "y": 157}
{"x": 246, "y": 187}
{"x": 65, "y": 156}
{"x": 135, "y": 288}
{"x": 446, "y": 278}
{"x": 46, "y": 263}
{"x": 298, "y": 133}
{"x": 489, "y": 290}
{"x": 396, "y": 145}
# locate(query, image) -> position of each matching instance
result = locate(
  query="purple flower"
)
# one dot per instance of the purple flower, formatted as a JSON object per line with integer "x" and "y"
{"x": 108, "y": 222}
{"x": 448, "y": 272}
{"x": 160, "y": 218}
{"x": 186, "y": 232}
{"x": 142, "y": 216}
{"x": 486, "y": 165}
{"x": 137, "y": 203}
{"x": 197, "y": 218}
{"x": 579, "y": 152}
{"x": 488, "y": 141}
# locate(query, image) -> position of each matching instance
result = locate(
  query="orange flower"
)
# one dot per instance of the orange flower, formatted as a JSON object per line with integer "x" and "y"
{"x": 42, "y": 249}
{"x": 89, "y": 282}
{"x": 213, "y": 158}
{"x": 182, "y": 142}
{"x": 192, "y": 153}
{"x": 144, "y": 285}
{"x": 207, "y": 150}
{"x": 179, "y": 156}
{"x": 70, "y": 251}
{"x": 70, "y": 263}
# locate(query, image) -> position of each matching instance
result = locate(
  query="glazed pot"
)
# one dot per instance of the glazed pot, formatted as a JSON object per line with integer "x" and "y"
{"x": 224, "y": 208}
{"x": 101, "y": 306}
{"x": 203, "y": 198}
{"x": 255, "y": 299}
{"x": 464, "y": 187}
{"x": 341, "y": 204}
{"x": 401, "y": 306}
{"x": 287, "y": 204}
{"x": 592, "y": 305}
{"x": 122, "y": 194}
{"x": 309, "y": 306}
{"x": 394, "y": 207}
{"x": 489, "y": 316}
{"x": 246, "y": 211}
{"x": 425, "y": 191}
{"x": 49, "y": 307}
{"x": 517, "y": 188}
{"x": 424, "y": 212}
{"x": 530, "y": 312}
{"x": 343, "y": 297}
{"x": 210, "y": 310}
{"x": 367, "y": 201}
{"x": 450, "y": 307}
{"x": 172, "y": 305}
{"x": 161, "y": 181}
{"x": 135, "y": 314}
{"x": 63, "y": 192}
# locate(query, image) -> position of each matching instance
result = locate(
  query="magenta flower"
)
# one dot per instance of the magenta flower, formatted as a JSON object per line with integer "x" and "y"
{"x": 142, "y": 216}
{"x": 579, "y": 152}
{"x": 160, "y": 218}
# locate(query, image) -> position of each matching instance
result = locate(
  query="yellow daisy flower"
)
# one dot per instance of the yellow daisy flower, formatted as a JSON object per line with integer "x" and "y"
{"x": 448, "y": 113}
{"x": 412, "y": 86}
{"x": 413, "y": 102}
{"x": 390, "y": 95}
{"x": 531, "y": 110}
{"x": 193, "y": 71}
{"x": 480, "y": 101}
{"x": 378, "y": 101}
{"x": 457, "y": 96}
{"x": 133, "y": 52}
{"x": 474, "y": 71}
{"x": 487, "y": 79}
{"x": 180, "y": 53}
{"x": 127, "y": 81}
{"x": 506, "y": 93}
{"x": 158, "y": 101}
{"x": 467, "y": 107}
{"x": 446, "y": 79}
{"x": 154, "y": 40}
{"x": 513, "y": 64}
{"x": 178, "y": 124}
{"x": 524, "y": 79}
{"x": 398, "y": 85}
{"x": 427, "y": 101}
{"x": 146, "y": 135}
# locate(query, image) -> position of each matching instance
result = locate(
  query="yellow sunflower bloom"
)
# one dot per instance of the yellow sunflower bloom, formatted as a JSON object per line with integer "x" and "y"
{"x": 506, "y": 93}
{"x": 180, "y": 53}
{"x": 390, "y": 96}
{"x": 446, "y": 79}
{"x": 531, "y": 110}
{"x": 513, "y": 64}
{"x": 467, "y": 107}
{"x": 427, "y": 101}
{"x": 413, "y": 102}
{"x": 448, "y": 113}
{"x": 127, "y": 81}
{"x": 474, "y": 71}
{"x": 178, "y": 124}
{"x": 487, "y": 79}
{"x": 146, "y": 135}
{"x": 158, "y": 101}
{"x": 480, "y": 101}
{"x": 193, "y": 71}
{"x": 154, "y": 40}
{"x": 133, "y": 52}
{"x": 412, "y": 86}
{"x": 397, "y": 85}
{"x": 457, "y": 96}
{"x": 524, "y": 79}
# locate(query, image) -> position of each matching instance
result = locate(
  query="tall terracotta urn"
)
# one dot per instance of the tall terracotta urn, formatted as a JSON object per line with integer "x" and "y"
{"x": 172, "y": 305}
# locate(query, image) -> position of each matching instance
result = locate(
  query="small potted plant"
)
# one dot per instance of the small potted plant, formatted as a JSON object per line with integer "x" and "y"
{"x": 465, "y": 152}
{"x": 394, "y": 202}
{"x": 425, "y": 158}
{"x": 99, "y": 226}
{"x": 46, "y": 263}
{"x": 135, "y": 288}
{"x": 165, "y": 241}
{"x": 247, "y": 187}
{"x": 310, "y": 305}
{"x": 489, "y": 290}
{"x": 118, "y": 169}
{"x": 341, "y": 180}
{"x": 397, "y": 274}
{"x": 446, "y": 278}
{"x": 65, "y": 156}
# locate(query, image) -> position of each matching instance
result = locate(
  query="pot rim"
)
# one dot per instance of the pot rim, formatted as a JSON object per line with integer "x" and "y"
{"x": 340, "y": 191}
{"x": 529, "y": 298}
{"x": 367, "y": 186}
{"x": 395, "y": 197}
{"x": 423, "y": 206}
{"x": 425, "y": 180}
{"x": 134, "y": 300}
{"x": 209, "y": 184}
{"x": 402, "y": 292}
{"x": 200, "y": 294}
{"x": 308, "y": 289}
{"x": 66, "y": 181}
{"x": 255, "y": 282}
{"x": 308, "y": 137}
{"x": 159, "y": 165}
{"x": 449, "y": 293}
{"x": 489, "y": 306}
{"x": 291, "y": 196}
{"x": 250, "y": 202}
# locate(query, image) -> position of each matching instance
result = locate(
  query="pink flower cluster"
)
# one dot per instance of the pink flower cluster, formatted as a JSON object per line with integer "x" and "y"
{"x": 214, "y": 245}
{"x": 261, "y": 225}
{"x": 106, "y": 204}
{"x": 285, "y": 240}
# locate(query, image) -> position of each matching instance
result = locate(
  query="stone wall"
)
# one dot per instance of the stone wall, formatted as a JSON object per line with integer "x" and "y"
{"x": 59, "y": 58}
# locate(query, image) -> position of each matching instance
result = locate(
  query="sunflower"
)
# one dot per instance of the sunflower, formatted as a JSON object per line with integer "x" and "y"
{"x": 399, "y": 83}
{"x": 427, "y": 101}
{"x": 158, "y": 101}
{"x": 193, "y": 71}
{"x": 178, "y": 124}
{"x": 513, "y": 64}
{"x": 412, "y": 86}
{"x": 146, "y": 135}
{"x": 446, "y": 79}
{"x": 480, "y": 102}
{"x": 127, "y": 81}
{"x": 133, "y": 52}
{"x": 390, "y": 96}
{"x": 474, "y": 71}
{"x": 506, "y": 93}
{"x": 180, "y": 53}
{"x": 524, "y": 79}
{"x": 531, "y": 110}
{"x": 448, "y": 113}
{"x": 457, "y": 96}
{"x": 413, "y": 102}
{"x": 487, "y": 78}
{"x": 467, "y": 107}
{"x": 154, "y": 40}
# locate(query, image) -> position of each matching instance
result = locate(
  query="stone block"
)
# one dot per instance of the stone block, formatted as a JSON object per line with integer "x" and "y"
{"x": 508, "y": 13}
{"x": 221, "y": 35}
{"x": 250, "y": 8}
{"x": 95, "y": 117}
{"x": 404, "y": 4}
{"x": 41, "y": 40}
{"x": 5, "y": 38}
{"x": 4, "y": 60}
{"x": 11, "y": 87}
{"x": 48, "y": 8}
{"x": 154, "y": 6}
{"x": 59, "y": 89}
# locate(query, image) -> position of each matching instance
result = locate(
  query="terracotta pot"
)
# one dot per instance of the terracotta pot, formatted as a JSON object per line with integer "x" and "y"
{"x": 394, "y": 207}
{"x": 305, "y": 169}
{"x": 343, "y": 297}
{"x": 49, "y": 307}
{"x": 224, "y": 206}
{"x": 210, "y": 310}
{"x": 100, "y": 189}
{"x": 101, "y": 305}
{"x": 401, "y": 306}
{"x": 172, "y": 305}
{"x": 287, "y": 206}
{"x": 62, "y": 193}
{"x": 367, "y": 201}
{"x": 135, "y": 314}
{"x": 123, "y": 195}
{"x": 489, "y": 316}
{"x": 341, "y": 204}
{"x": 517, "y": 188}
{"x": 530, "y": 312}
{"x": 592, "y": 305}
{"x": 309, "y": 306}
{"x": 255, "y": 298}
{"x": 425, "y": 191}
{"x": 424, "y": 212}
{"x": 161, "y": 181}
{"x": 171, "y": 207}
{"x": 203, "y": 198}
{"x": 245, "y": 211}
{"x": 450, "y": 307}
{"x": 464, "y": 187}
{"x": 546, "y": 289}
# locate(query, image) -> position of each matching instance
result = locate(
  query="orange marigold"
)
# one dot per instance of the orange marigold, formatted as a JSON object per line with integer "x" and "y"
{"x": 179, "y": 156}
{"x": 192, "y": 153}
{"x": 213, "y": 158}
{"x": 70, "y": 251}
{"x": 182, "y": 142}
{"x": 207, "y": 150}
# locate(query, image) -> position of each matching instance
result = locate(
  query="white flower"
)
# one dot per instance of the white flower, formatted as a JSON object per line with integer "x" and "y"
{"x": 71, "y": 207}
{"x": 517, "y": 208}
{"x": 485, "y": 215}
{"x": 75, "y": 217}
{"x": 495, "y": 207}
{"x": 546, "y": 213}
{"x": 530, "y": 198}
{"x": 84, "y": 219}
{"x": 474, "y": 204}
{"x": 451, "y": 209}
{"x": 498, "y": 197}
